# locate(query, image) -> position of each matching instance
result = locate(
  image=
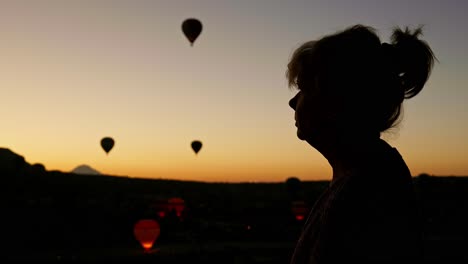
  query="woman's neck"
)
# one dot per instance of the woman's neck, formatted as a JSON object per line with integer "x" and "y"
{"x": 348, "y": 154}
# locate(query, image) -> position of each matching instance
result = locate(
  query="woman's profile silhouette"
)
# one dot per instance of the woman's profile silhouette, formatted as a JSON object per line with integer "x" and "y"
{"x": 350, "y": 90}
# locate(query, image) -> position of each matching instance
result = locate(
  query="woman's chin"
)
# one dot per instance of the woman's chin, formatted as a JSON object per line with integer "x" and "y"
{"x": 301, "y": 135}
{"x": 309, "y": 137}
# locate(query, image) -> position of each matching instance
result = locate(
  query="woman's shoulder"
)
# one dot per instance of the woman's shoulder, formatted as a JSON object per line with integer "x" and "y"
{"x": 384, "y": 171}
{"x": 386, "y": 163}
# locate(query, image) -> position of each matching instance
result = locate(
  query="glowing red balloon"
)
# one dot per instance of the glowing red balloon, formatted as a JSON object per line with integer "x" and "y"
{"x": 177, "y": 204}
{"x": 160, "y": 207}
{"x": 146, "y": 231}
{"x": 299, "y": 209}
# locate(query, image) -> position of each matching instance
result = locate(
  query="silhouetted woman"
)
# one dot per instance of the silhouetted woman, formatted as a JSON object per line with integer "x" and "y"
{"x": 350, "y": 89}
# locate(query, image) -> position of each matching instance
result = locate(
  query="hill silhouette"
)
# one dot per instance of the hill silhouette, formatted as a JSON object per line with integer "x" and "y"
{"x": 90, "y": 217}
{"x": 10, "y": 161}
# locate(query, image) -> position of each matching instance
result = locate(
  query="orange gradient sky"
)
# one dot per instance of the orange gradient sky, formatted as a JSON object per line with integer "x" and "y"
{"x": 76, "y": 71}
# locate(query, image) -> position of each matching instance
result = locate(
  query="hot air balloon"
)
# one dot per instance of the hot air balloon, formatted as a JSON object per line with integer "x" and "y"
{"x": 107, "y": 143}
{"x": 299, "y": 209}
{"x": 196, "y": 146}
{"x": 192, "y": 28}
{"x": 160, "y": 206}
{"x": 146, "y": 231}
{"x": 176, "y": 204}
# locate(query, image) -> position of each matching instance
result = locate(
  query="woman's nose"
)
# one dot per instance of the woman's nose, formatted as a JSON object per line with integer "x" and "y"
{"x": 293, "y": 102}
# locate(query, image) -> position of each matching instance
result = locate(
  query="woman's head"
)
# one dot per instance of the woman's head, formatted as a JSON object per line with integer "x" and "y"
{"x": 350, "y": 82}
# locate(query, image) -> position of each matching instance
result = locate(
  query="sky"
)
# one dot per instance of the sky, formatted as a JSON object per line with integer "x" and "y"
{"x": 73, "y": 72}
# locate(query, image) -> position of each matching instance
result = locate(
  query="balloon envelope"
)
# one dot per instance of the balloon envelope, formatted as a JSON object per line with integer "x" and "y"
{"x": 146, "y": 231}
{"x": 192, "y": 28}
{"x": 107, "y": 143}
{"x": 196, "y": 146}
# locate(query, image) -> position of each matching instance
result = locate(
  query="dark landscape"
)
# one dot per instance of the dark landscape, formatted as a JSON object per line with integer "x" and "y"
{"x": 58, "y": 216}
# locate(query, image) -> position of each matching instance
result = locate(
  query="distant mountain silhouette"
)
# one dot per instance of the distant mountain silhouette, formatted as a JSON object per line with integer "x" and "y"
{"x": 85, "y": 170}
